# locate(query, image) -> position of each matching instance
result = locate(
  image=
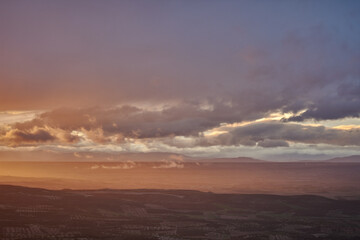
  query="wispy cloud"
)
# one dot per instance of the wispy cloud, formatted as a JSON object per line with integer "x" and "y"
{"x": 169, "y": 164}
{"x": 124, "y": 166}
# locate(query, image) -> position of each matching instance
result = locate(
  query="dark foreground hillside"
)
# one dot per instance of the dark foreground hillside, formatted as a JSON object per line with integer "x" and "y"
{"x": 30, "y": 213}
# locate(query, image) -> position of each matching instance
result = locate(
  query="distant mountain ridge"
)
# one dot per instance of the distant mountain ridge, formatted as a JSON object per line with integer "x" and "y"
{"x": 49, "y": 156}
{"x": 353, "y": 158}
{"x": 44, "y": 156}
{"x": 233, "y": 160}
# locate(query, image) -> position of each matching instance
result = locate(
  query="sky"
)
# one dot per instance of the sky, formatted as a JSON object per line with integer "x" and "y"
{"x": 276, "y": 80}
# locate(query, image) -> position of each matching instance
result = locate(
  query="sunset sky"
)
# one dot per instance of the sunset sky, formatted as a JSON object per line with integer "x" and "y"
{"x": 276, "y": 80}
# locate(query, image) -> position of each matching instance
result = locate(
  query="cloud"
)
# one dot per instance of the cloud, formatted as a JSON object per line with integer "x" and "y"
{"x": 336, "y": 101}
{"x": 178, "y": 158}
{"x": 123, "y": 166}
{"x": 79, "y": 155}
{"x": 275, "y": 134}
{"x": 255, "y": 80}
{"x": 270, "y": 143}
{"x": 15, "y": 137}
{"x": 182, "y": 125}
{"x": 40, "y": 135}
{"x": 11, "y": 135}
{"x": 164, "y": 84}
{"x": 248, "y": 73}
{"x": 170, "y": 164}
{"x": 120, "y": 123}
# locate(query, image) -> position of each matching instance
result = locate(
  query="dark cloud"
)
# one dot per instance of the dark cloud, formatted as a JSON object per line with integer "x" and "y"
{"x": 38, "y": 136}
{"x": 16, "y": 137}
{"x": 187, "y": 120}
{"x": 339, "y": 101}
{"x": 273, "y": 134}
{"x": 270, "y": 143}
{"x": 184, "y": 119}
{"x": 253, "y": 64}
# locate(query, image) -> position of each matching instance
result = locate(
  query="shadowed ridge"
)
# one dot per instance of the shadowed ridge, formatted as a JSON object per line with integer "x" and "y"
{"x": 348, "y": 159}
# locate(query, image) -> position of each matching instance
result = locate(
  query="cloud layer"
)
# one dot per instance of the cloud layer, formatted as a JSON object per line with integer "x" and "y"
{"x": 187, "y": 125}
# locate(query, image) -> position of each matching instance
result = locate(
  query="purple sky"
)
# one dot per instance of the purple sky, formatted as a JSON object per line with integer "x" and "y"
{"x": 267, "y": 79}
